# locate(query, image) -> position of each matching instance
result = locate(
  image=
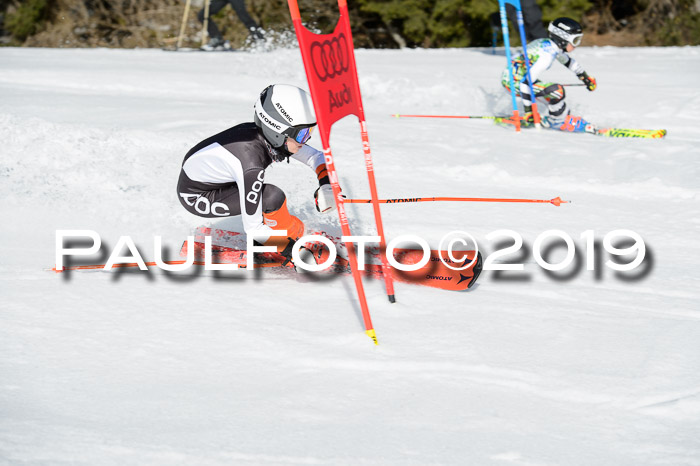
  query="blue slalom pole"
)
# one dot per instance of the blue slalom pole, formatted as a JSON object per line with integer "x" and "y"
{"x": 521, "y": 26}
{"x": 506, "y": 43}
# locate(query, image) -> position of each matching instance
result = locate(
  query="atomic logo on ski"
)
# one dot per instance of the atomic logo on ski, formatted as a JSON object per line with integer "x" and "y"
{"x": 463, "y": 278}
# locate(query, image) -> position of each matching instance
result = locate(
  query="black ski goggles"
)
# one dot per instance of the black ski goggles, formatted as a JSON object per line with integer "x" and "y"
{"x": 300, "y": 135}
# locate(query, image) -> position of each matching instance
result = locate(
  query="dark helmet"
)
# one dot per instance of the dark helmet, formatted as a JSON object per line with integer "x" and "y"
{"x": 565, "y": 31}
{"x": 284, "y": 111}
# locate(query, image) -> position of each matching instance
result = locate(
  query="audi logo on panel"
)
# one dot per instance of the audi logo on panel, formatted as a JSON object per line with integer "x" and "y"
{"x": 330, "y": 58}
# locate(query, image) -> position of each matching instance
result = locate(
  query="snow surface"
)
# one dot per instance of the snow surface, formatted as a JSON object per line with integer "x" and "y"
{"x": 151, "y": 368}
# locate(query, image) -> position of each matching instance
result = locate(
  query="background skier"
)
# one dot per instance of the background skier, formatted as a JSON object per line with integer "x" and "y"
{"x": 565, "y": 34}
{"x": 532, "y": 17}
{"x": 224, "y": 175}
{"x": 216, "y": 40}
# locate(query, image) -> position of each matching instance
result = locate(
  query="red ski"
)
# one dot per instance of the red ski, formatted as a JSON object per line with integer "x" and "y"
{"x": 230, "y": 247}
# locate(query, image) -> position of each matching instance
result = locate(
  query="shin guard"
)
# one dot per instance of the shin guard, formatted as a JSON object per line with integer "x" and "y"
{"x": 281, "y": 219}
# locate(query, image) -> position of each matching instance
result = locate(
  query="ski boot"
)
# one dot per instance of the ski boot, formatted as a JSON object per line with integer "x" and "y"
{"x": 311, "y": 254}
{"x": 216, "y": 45}
{"x": 257, "y": 33}
{"x": 528, "y": 119}
{"x": 317, "y": 252}
{"x": 571, "y": 124}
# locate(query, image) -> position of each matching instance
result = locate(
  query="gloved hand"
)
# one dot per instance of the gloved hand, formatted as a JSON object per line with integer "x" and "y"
{"x": 324, "y": 199}
{"x": 589, "y": 81}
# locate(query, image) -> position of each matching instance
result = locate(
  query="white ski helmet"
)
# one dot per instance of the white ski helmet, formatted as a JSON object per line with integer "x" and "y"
{"x": 283, "y": 111}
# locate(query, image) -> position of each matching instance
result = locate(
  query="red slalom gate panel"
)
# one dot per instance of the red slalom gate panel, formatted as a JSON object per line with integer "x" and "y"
{"x": 329, "y": 63}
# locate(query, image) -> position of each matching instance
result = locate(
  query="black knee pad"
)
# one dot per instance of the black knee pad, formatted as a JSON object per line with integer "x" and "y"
{"x": 554, "y": 93}
{"x": 272, "y": 198}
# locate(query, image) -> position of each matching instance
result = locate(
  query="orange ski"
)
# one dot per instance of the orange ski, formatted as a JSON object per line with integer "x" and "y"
{"x": 229, "y": 247}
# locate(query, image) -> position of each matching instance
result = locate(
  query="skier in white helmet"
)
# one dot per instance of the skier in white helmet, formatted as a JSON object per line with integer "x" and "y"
{"x": 565, "y": 35}
{"x": 224, "y": 175}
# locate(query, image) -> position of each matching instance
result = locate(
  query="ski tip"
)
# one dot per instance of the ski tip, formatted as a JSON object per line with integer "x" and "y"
{"x": 396, "y": 115}
{"x": 632, "y": 133}
{"x": 372, "y": 334}
{"x": 476, "y": 269}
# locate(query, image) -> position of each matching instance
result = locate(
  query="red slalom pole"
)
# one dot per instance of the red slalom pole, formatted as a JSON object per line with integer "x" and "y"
{"x": 325, "y": 82}
{"x": 557, "y": 201}
{"x": 369, "y": 166}
{"x": 471, "y": 117}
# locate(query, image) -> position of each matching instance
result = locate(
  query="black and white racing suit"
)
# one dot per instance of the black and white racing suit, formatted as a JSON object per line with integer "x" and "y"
{"x": 224, "y": 176}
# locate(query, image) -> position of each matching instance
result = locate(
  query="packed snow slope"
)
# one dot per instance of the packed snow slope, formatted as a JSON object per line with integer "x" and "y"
{"x": 577, "y": 367}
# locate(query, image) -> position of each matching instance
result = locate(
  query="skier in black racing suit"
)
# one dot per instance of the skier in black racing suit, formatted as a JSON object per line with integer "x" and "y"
{"x": 224, "y": 175}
